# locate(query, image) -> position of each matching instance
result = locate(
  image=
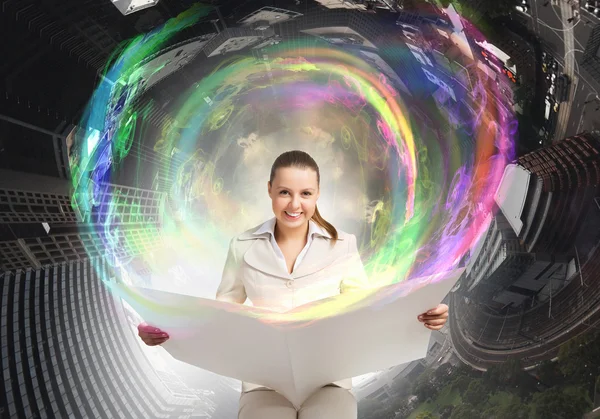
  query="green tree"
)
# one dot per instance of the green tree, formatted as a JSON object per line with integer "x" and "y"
{"x": 401, "y": 404}
{"x": 579, "y": 359}
{"x": 425, "y": 387}
{"x": 464, "y": 411}
{"x": 443, "y": 375}
{"x": 515, "y": 410}
{"x": 461, "y": 383}
{"x": 476, "y": 394}
{"x": 425, "y": 390}
{"x": 548, "y": 373}
{"x": 446, "y": 411}
{"x": 503, "y": 375}
{"x": 555, "y": 403}
{"x": 467, "y": 371}
{"x": 425, "y": 415}
{"x": 493, "y": 376}
{"x": 481, "y": 12}
{"x": 492, "y": 9}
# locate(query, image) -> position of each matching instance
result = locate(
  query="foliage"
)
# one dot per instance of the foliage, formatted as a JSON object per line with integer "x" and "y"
{"x": 375, "y": 409}
{"x": 444, "y": 401}
{"x": 461, "y": 383}
{"x": 517, "y": 410}
{"x": 549, "y": 374}
{"x": 425, "y": 387}
{"x": 426, "y": 415}
{"x": 467, "y": 371}
{"x": 476, "y": 394}
{"x": 506, "y": 391}
{"x": 402, "y": 405}
{"x": 446, "y": 411}
{"x": 372, "y": 409}
{"x": 579, "y": 359}
{"x": 464, "y": 411}
{"x": 556, "y": 403}
{"x": 443, "y": 375}
{"x": 489, "y": 9}
{"x": 504, "y": 375}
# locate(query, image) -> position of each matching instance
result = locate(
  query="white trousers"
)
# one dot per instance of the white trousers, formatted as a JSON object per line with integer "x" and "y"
{"x": 327, "y": 402}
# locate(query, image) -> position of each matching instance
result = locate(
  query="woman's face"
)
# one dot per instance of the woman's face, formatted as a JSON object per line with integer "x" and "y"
{"x": 294, "y": 193}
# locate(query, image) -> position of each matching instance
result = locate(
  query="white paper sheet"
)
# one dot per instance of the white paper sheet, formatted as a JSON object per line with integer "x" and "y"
{"x": 298, "y": 358}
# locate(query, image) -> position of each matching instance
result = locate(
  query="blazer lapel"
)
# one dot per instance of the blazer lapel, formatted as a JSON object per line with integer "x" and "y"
{"x": 320, "y": 255}
{"x": 261, "y": 256}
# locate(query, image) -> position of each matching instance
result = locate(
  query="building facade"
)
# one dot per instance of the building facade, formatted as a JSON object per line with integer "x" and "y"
{"x": 566, "y": 178}
{"x": 67, "y": 351}
{"x": 534, "y": 301}
{"x": 40, "y": 227}
{"x": 591, "y": 56}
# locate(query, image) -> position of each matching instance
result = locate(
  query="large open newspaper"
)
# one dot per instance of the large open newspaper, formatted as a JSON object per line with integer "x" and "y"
{"x": 298, "y": 357}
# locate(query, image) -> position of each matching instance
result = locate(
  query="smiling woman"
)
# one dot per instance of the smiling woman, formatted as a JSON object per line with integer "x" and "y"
{"x": 293, "y": 259}
{"x": 294, "y": 190}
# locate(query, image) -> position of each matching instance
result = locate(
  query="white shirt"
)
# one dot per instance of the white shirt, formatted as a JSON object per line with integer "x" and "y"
{"x": 269, "y": 227}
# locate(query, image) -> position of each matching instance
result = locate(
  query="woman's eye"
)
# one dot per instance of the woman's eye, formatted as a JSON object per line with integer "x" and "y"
{"x": 307, "y": 193}
{"x": 283, "y": 192}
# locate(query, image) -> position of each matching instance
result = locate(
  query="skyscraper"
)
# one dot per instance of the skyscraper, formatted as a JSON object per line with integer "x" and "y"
{"x": 67, "y": 351}
{"x": 548, "y": 192}
{"x": 527, "y": 284}
{"x": 40, "y": 227}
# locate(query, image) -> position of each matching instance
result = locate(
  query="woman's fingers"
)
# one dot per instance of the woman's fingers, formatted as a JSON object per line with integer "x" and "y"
{"x": 425, "y": 317}
{"x": 435, "y": 322}
{"x": 155, "y": 341}
{"x": 434, "y": 327}
{"x": 145, "y": 331}
{"x": 146, "y": 328}
{"x": 440, "y": 309}
{"x": 151, "y": 335}
{"x": 160, "y": 334}
{"x": 436, "y": 318}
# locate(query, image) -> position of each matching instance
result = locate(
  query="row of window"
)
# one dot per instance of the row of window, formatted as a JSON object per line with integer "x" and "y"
{"x": 75, "y": 371}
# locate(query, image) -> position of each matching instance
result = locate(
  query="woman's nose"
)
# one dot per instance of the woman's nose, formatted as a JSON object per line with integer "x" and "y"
{"x": 295, "y": 203}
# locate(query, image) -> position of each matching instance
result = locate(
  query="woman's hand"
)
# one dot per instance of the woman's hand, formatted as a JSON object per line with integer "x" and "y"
{"x": 151, "y": 335}
{"x": 435, "y": 318}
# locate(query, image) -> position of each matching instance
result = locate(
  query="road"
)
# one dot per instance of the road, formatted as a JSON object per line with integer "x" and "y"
{"x": 566, "y": 42}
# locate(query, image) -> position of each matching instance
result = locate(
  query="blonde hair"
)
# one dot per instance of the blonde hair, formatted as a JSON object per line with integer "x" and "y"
{"x": 302, "y": 160}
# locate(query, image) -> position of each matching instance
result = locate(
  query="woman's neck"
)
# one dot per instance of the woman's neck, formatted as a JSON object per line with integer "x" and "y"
{"x": 284, "y": 234}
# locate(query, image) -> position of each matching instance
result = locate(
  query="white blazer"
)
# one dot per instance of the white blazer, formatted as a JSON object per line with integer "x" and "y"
{"x": 253, "y": 271}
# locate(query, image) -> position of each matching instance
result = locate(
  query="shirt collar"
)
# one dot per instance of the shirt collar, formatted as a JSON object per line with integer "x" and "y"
{"x": 313, "y": 229}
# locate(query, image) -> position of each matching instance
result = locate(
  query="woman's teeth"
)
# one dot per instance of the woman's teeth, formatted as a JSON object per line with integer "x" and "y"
{"x": 293, "y": 214}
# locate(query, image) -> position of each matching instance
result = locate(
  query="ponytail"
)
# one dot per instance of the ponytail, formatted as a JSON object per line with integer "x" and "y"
{"x": 321, "y": 222}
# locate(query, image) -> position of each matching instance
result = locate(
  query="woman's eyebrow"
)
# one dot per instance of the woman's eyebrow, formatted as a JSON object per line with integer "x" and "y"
{"x": 285, "y": 187}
